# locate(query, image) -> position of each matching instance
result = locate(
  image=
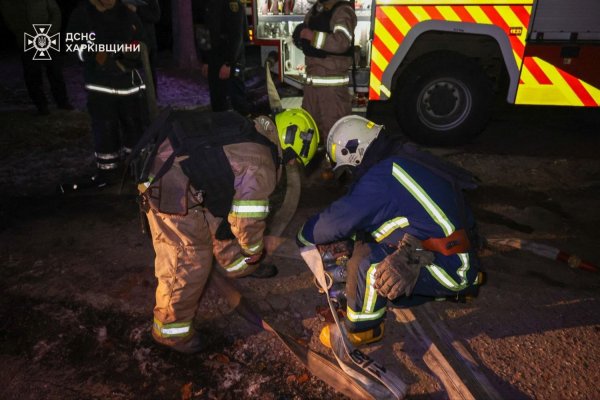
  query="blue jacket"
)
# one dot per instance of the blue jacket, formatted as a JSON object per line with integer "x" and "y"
{"x": 397, "y": 196}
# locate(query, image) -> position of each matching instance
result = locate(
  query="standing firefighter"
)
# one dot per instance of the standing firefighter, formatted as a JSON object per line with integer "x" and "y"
{"x": 206, "y": 193}
{"x": 111, "y": 56}
{"x": 20, "y": 17}
{"x": 326, "y": 39}
{"x": 408, "y": 209}
{"x": 222, "y": 49}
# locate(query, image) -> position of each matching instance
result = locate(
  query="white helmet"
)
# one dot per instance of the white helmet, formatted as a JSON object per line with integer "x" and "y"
{"x": 349, "y": 138}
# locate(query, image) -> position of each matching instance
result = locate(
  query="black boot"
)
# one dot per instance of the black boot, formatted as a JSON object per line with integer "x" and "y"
{"x": 100, "y": 180}
{"x": 264, "y": 271}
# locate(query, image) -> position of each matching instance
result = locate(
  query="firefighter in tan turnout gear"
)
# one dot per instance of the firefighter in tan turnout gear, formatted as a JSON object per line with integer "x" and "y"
{"x": 205, "y": 191}
{"x": 326, "y": 39}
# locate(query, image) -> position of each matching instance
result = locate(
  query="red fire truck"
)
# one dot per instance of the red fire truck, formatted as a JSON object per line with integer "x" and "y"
{"x": 441, "y": 62}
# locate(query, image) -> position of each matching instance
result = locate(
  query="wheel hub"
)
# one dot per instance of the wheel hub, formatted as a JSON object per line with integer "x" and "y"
{"x": 444, "y": 104}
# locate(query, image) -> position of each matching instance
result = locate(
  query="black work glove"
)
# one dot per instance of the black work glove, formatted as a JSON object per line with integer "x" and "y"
{"x": 397, "y": 274}
{"x": 298, "y": 42}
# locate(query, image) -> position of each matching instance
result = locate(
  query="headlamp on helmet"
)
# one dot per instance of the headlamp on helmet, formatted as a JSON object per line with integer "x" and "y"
{"x": 298, "y": 134}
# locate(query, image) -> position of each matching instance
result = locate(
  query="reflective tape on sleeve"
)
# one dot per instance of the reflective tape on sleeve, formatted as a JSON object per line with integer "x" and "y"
{"x": 319, "y": 39}
{"x": 344, "y": 30}
{"x": 388, "y": 227}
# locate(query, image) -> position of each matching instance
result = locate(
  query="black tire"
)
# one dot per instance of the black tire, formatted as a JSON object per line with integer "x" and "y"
{"x": 443, "y": 100}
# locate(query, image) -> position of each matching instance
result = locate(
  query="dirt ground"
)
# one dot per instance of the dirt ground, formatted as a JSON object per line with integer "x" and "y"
{"x": 77, "y": 277}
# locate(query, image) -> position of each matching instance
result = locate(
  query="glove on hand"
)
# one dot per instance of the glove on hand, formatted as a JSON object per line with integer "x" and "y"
{"x": 397, "y": 274}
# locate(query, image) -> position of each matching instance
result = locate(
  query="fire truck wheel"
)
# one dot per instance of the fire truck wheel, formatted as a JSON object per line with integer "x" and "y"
{"x": 443, "y": 100}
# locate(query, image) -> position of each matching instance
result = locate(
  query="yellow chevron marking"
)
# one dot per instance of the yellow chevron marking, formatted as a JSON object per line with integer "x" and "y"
{"x": 559, "y": 93}
{"x": 512, "y": 21}
{"x": 593, "y": 91}
{"x": 378, "y": 59}
{"x": 478, "y": 15}
{"x": 451, "y": 2}
{"x": 397, "y": 19}
{"x": 448, "y": 13}
{"x": 375, "y": 84}
{"x": 419, "y": 13}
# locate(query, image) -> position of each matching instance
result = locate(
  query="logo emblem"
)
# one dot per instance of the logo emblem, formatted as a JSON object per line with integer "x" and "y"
{"x": 42, "y": 42}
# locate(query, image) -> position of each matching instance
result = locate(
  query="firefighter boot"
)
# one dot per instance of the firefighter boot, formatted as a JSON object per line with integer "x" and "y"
{"x": 356, "y": 338}
{"x": 264, "y": 271}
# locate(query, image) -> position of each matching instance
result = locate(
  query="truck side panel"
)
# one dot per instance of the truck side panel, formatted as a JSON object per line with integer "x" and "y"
{"x": 539, "y": 81}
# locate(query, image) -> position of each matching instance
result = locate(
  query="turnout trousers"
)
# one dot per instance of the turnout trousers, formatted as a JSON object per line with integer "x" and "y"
{"x": 326, "y": 104}
{"x": 184, "y": 247}
{"x": 117, "y": 125}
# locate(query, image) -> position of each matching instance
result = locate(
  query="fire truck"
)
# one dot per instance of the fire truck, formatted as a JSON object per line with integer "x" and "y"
{"x": 441, "y": 63}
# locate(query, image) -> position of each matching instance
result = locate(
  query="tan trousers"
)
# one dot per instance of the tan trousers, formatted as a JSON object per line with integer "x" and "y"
{"x": 326, "y": 104}
{"x": 184, "y": 248}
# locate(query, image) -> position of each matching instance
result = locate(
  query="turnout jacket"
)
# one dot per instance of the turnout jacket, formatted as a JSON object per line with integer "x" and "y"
{"x": 115, "y": 26}
{"x": 254, "y": 175}
{"x": 332, "y": 36}
{"x": 393, "y": 197}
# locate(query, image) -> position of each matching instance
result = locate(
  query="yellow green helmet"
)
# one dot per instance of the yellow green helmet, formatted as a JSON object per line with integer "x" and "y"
{"x": 298, "y": 133}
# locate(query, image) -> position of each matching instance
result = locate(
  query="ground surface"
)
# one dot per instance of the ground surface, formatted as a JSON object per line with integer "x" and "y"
{"x": 77, "y": 281}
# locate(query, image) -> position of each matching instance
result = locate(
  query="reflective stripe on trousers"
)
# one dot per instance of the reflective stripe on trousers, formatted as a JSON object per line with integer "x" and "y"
{"x": 314, "y": 80}
{"x": 119, "y": 92}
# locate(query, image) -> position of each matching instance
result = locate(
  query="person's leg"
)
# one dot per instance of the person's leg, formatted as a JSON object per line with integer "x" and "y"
{"x": 310, "y": 102}
{"x": 237, "y": 94}
{"x": 104, "y": 115}
{"x": 182, "y": 266}
{"x": 217, "y": 88}
{"x": 56, "y": 79}
{"x": 365, "y": 308}
{"x": 338, "y": 104}
{"x": 130, "y": 118}
{"x": 34, "y": 81}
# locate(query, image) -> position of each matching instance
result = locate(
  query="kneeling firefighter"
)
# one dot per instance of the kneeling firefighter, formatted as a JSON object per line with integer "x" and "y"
{"x": 205, "y": 183}
{"x": 416, "y": 233}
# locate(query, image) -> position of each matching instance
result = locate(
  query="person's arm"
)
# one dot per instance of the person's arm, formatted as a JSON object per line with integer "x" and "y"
{"x": 343, "y": 23}
{"x": 348, "y": 215}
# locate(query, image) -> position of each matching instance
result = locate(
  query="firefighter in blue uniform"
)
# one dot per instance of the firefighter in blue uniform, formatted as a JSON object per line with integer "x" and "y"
{"x": 414, "y": 224}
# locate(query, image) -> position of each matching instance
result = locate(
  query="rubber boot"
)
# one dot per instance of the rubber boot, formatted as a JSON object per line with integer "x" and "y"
{"x": 356, "y": 338}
